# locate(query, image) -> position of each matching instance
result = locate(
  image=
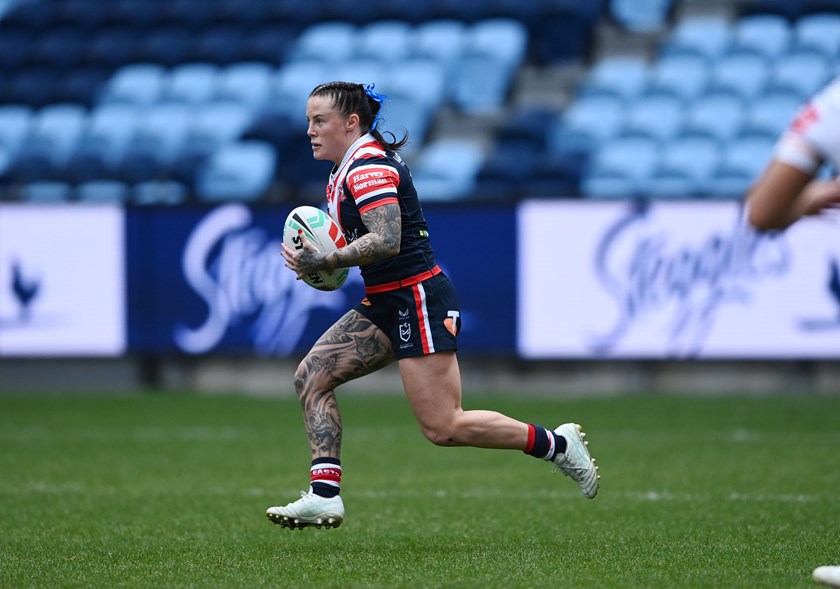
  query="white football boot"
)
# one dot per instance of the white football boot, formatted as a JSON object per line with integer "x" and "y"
{"x": 827, "y": 575}
{"x": 576, "y": 462}
{"x": 309, "y": 510}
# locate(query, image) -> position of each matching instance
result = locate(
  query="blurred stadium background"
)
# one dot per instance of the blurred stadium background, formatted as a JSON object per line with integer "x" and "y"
{"x": 596, "y": 153}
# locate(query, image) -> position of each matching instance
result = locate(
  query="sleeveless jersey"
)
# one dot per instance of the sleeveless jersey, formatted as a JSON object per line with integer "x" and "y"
{"x": 369, "y": 177}
{"x": 813, "y": 137}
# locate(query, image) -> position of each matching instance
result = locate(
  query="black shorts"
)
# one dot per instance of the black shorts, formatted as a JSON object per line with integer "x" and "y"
{"x": 420, "y": 319}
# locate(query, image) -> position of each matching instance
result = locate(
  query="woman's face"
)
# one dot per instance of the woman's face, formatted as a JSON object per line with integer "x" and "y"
{"x": 330, "y": 133}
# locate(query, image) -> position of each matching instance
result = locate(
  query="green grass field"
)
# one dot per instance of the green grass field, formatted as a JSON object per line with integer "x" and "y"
{"x": 169, "y": 490}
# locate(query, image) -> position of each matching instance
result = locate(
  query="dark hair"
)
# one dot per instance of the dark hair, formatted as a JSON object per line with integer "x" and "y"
{"x": 350, "y": 98}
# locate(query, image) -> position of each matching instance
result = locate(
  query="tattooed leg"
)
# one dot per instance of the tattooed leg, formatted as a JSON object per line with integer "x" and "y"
{"x": 351, "y": 348}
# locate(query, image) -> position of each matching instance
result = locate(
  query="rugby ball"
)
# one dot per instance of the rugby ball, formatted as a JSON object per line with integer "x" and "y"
{"x": 324, "y": 234}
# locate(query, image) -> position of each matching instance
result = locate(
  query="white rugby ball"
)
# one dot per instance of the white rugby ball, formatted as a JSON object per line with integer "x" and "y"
{"x": 324, "y": 234}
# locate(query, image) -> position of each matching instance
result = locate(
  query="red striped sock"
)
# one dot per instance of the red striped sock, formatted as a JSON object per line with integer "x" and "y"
{"x": 325, "y": 477}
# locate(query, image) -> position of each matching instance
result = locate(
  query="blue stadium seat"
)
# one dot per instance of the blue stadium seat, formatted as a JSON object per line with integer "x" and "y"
{"x": 161, "y": 132}
{"x": 15, "y": 48}
{"x": 140, "y": 84}
{"x": 216, "y": 124}
{"x": 102, "y": 191}
{"x": 564, "y": 32}
{"x": 503, "y": 39}
{"x": 32, "y": 16}
{"x": 220, "y": 45}
{"x": 622, "y": 77}
{"x": 248, "y": 83}
{"x": 292, "y": 84}
{"x": 167, "y": 46}
{"x": 740, "y": 165}
{"x": 440, "y": 40}
{"x": 384, "y": 41}
{"x": 59, "y": 48}
{"x": 555, "y": 175}
{"x": 446, "y": 169}
{"x": 80, "y": 85}
{"x": 136, "y": 14}
{"x": 480, "y": 85}
{"x": 241, "y": 13}
{"x": 768, "y": 35}
{"x": 769, "y": 116}
{"x": 715, "y": 116}
{"x": 362, "y": 71}
{"x": 682, "y": 76}
{"x": 32, "y": 86}
{"x": 329, "y": 42}
{"x": 620, "y": 169}
{"x": 423, "y": 79}
{"x": 643, "y": 16}
{"x": 159, "y": 192}
{"x": 105, "y": 139}
{"x": 683, "y": 168}
{"x": 111, "y": 47}
{"x": 191, "y": 83}
{"x": 56, "y": 129}
{"x": 655, "y": 117}
{"x": 190, "y": 13}
{"x": 505, "y": 172}
{"x": 743, "y": 74}
{"x": 46, "y": 192}
{"x": 707, "y": 36}
{"x": 819, "y": 32}
{"x": 800, "y": 73}
{"x": 788, "y": 9}
{"x": 238, "y": 171}
{"x": 271, "y": 43}
{"x": 15, "y": 123}
{"x": 585, "y": 124}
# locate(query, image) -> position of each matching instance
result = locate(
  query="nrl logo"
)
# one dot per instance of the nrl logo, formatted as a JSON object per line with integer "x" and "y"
{"x": 405, "y": 332}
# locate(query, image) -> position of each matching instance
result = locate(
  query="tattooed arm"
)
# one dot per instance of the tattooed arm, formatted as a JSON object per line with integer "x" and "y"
{"x": 385, "y": 226}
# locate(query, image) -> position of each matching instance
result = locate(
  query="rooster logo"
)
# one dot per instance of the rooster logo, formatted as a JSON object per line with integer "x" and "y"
{"x": 24, "y": 288}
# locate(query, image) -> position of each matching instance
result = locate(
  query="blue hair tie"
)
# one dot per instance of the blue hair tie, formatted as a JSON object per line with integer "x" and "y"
{"x": 380, "y": 98}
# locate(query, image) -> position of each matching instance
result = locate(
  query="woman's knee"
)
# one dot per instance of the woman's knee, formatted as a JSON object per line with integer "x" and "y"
{"x": 440, "y": 433}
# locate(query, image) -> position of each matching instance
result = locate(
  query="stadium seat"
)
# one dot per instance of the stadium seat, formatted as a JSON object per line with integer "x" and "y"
{"x": 166, "y": 46}
{"x": 681, "y": 76}
{"x": 102, "y": 191}
{"x": 768, "y": 35}
{"x": 291, "y": 85}
{"x": 238, "y": 171}
{"x": 159, "y": 136}
{"x": 247, "y": 83}
{"x": 446, "y": 169}
{"x": 216, "y": 124}
{"x": 109, "y": 130}
{"x": 59, "y": 48}
{"x": 423, "y": 79}
{"x": 505, "y": 40}
{"x": 384, "y": 41}
{"x": 32, "y": 16}
{"x": 621, "y": 77}
{"x": 46, "y": 192}
{"x": 190, "y": 83}
{"x": 555, "y": 175}
{"x": 715, "y": 116}
{"x": 707, "y": 36}
{"x": 481, "y": 85}
{"x": 156, "y": 192}
{"x": 818, "y": 32}
{"x": 743, "y": 74}
{"x": 220, "y": 45}
{"x": 769, "y": 116}
{"x": 15, "y": 123}
{"x": 189, "y": 13}
{"x": 585, "y": 124}
{"x": 240, "y": 13}
{"x": 55, "y": 131}
{"x": 504, "y": 172}
{"x": 327, "y": 42}
{"x": 32, "y": 86}
{"x": 111, "y": 47}
{"x": 800, "y": 73}
{"x": 643, "y": 16}
{"x": 564, "y": 32}
{"x": 140, "y": 84}
{"x": 270, "y": 43}
{"x": 439, "y": 40}
{"x": 740, "y": 165}
{"x": 620, "y": 169}
{"x": 362, "y": 71}
{"x": 80, "y": 85}
{"x": 16, "y": 46}
{"x": 81, "y": 15}
{"x": 653, "y": 117}
{"x": 683, "y": 169}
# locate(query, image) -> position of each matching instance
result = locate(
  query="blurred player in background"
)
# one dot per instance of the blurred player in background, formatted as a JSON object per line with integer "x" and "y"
{"x": 410, "y": 314}
{"x": 789, "y": 190}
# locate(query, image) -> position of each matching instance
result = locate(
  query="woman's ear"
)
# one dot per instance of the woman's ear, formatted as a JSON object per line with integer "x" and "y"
{"x": 352, "y": 122}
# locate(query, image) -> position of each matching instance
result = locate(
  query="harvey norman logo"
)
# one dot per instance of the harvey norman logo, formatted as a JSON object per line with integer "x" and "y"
{"x": 237, "y": 271}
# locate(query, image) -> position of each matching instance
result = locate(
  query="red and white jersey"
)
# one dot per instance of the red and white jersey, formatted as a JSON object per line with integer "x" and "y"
{"x": 813, "y": 137}
{"x": 370, "y": 177}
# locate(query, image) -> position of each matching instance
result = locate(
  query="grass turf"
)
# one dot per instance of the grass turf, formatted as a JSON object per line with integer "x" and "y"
{"x": 169, "y": 490}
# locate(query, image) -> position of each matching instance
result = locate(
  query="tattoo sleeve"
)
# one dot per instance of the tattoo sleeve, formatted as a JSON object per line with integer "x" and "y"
{"x": 383, "y": 240}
